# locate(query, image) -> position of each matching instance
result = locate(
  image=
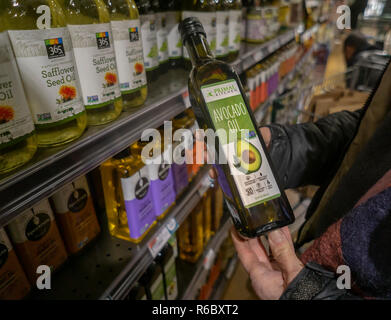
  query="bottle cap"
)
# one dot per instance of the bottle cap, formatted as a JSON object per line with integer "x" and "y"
{"x": 190, "y": 26}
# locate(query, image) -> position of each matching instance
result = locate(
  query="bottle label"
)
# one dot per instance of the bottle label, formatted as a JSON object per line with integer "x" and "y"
{"x": 208, "y": 20}
{"x": 171, "y": 279}
{"x": 129, "y": 55}
{"x": 15, "y": 118}
{"x": 179, "y": 169}
{"x": 162, "y": 40}
{"x": 76, "y": 214}
{"x": 47, "y": 68}
{"x": 256, "y": 29}
{"x": 138, "y": 202}
{"x": 162, "y": 184}
{"x": 240, "y": 143}
{"x": 222, "y": 36}
{"x": 235, "y": 25}
{"x": 149, "y": 38}
{"x": 175, "y": 48}
{"x": 96, "y": 65}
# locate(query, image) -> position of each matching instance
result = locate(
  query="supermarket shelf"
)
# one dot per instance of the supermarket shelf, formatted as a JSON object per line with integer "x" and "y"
{"x": 224, "y": 279}
{"x": 53, "y": 168}
{"x": 194, "y": 275}
{"x": 261, "y": 111}
{"x": 110, "y": 266}
{"x": 309, "y": 33}
{"x": 250, "y": 54}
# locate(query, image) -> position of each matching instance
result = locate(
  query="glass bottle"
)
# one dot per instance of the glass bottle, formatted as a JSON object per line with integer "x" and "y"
{"x": 222, "y": 29}
{"x": 149, "y": 37}
{"x": 235, "y": 25}
{"x": 175, "y": 47}
{"x": 89, "y": 24}
{"x": 128, "y": 197}
{"x": 254, "y": 197}
{"x": 125, "y": 23}
{"x": 43, "y": 52}
{"x": 161, "y": 34}
{"x": 205, "y": 11}
{"x": 18, "y": 141}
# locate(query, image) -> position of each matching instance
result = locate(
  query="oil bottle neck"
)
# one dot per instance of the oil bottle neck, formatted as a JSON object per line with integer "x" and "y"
{"x": 198, "y": 48}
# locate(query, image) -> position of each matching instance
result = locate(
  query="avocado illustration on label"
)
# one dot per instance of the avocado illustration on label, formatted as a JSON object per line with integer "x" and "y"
{"x": 247, "y": 159}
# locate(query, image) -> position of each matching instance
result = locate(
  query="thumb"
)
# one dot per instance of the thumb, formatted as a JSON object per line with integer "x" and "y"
{"x": 284, "y": 254}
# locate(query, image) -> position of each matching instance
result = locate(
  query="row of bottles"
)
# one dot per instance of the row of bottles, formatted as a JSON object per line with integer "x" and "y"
{"x": 45, "y": 235}
{"x": 202, "y": 223}
{"x": 138, "y": 194}
{"x": 264, "y": 78}
{"x": 65, "y": 64}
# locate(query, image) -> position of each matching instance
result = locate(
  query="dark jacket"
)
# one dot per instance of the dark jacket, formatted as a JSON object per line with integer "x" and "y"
{"x": 345, "y": 154}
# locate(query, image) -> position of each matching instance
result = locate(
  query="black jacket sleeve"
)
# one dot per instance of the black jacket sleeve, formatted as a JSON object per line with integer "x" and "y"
{"x": 316, "y": 283}
{"x": 307, "y": 154}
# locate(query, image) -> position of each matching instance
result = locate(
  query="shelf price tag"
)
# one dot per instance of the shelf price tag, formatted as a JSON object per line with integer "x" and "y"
{"x": 160, "y": 240}
{"x": 259, "y": 55}
{"x": 209, "y": 259}
{"x": 186, "y": 99}
{"x": 205, "y": 185}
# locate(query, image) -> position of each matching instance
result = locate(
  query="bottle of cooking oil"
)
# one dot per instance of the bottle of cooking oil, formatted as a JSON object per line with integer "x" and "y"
{"x": 129, "y": 203}
{"x": 89, "y": 25}
{"x": 190, "y": 236}
{"x": 235, "y": 25}
{"x": 160, "y": 174}
{"x": 125, "y": 23}
{"x": 207, "y": 218}
{"x": 173, "y": 18}
{"x": 149, "y": 38}
{"x": 43, "y": 51}
{"x": 222, "y": 29}
{"x": 160, "y": 8}
{"x": 18, "y": 142}
{"x": 256, "y": 201}
{"x": 217, "y": 208}
{"x": 205, "y": 11}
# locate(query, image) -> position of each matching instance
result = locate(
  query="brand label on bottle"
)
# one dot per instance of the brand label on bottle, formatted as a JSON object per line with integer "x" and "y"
{"x": 138, "y": 202}
{"x": 256, "y": 29}
{"x": 149, "y": 38}
{"x": 162, "y": 184}
{"x": 162, "y": 41}
{"x": 47, "y": 68}
{"x": 208, "y": 20}
{"x": 246, "y": 158}
{"x": 235, "y": 25}
{"x": 175, "y": 47}
{"x": 129, "y": 55}
{"x": 96, "y": 65}
{"x": 171, "y": 279}
{"x": 222, "y": 36}
{"x": 15, "y": 118}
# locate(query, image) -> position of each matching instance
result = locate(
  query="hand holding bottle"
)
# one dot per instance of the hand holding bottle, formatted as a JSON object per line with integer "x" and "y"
{"x": 270, "y": 275}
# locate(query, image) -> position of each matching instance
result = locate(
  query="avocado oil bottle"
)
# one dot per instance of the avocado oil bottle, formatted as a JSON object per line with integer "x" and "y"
{"x": 18, "y": 142}
{"x": 125, "y": 23}
{"x": 89, "y": 25}
{"x": 222, "y": 29}
{"x": 235, "y": 25}
{"x": 149, "y": 38}
{"x": 256, "y": 201}
{"x": 43, "y": 51}
{"x": 129, "y": 204}
{"x": 205, "y": 11}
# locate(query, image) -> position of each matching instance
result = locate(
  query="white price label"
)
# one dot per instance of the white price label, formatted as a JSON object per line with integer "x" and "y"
{"x": 186, "y": 99}
{"x": 259, "y": 55}
{"x": 209, "y": 259}
{"x": 160, "y": 240}
{"x": 205, "y": 185}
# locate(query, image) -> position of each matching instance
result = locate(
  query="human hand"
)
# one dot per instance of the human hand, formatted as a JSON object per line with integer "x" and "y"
{"x": 270, "y": 276}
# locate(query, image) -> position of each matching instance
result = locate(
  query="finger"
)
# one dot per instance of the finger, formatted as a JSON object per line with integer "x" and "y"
{"x": 284, "y": 254}
{"x": 259, "y": 251}
{"x": 245, "y": 253}
{"x": 288, "y": 235}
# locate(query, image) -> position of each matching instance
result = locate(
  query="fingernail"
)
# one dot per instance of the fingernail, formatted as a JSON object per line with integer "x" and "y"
{"x": 276, "y": 236}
